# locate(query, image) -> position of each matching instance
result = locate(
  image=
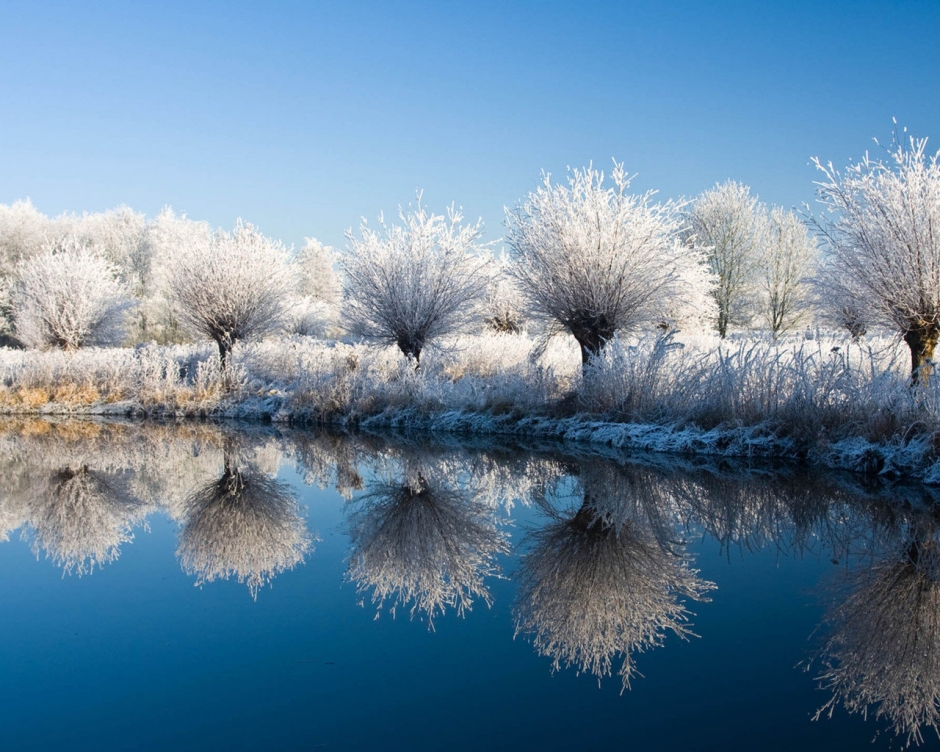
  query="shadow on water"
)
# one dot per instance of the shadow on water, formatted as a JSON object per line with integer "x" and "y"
{"x": 605, "y": 568}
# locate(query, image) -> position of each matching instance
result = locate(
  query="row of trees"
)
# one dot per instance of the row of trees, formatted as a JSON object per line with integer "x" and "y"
{"x": 586, "y": 258}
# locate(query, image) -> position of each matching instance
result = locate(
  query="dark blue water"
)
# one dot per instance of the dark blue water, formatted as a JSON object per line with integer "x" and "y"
{"x": 234, "y": 643}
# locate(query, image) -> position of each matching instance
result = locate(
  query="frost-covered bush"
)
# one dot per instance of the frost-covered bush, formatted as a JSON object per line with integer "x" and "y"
{"x": 69, "y": 296}
{"x": 593, "y": 260}
{"x": 415, "y": 282}
{"x": 233, "y": 287}
{"x": 879, "y": 229}
{"x": 23, "y": 232}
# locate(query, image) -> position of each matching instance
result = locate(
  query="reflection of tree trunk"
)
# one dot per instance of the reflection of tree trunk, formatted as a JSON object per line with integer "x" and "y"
{"x": 587, "y": 519}
{"x": 244, "y": 524}
{"x": 922, "y": 340}
{"x": 425, "y": 543}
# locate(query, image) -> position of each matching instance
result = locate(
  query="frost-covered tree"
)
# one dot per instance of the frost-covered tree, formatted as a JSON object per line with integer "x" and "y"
{"x": 233, "y": 287}
{"x": 838, "y": 301}
{"x": 23, "y": 232}
{"x": 411, "y": 283}
{"x": 318, "y": 290}
{"x": 731, "y": 224}
{"x": 167, "y": 233}
{"x": 881, "y": 231}
{"x": 593, "y": 260}
{"x": 69, "y": 296}
{"x": 788, "y": 260}
{"x": 122, "y": 236}
{"x": 694, "y": 310}
{"x": 502, "y": 301}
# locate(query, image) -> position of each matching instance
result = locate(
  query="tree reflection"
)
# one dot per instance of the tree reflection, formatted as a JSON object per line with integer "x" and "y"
{"x": 423, "y": 541}
{"x": 81, "y": 516}
{"x": 607, "y": 579}
{"x": 245, "y": 525}
{"x": 883, "y": 652}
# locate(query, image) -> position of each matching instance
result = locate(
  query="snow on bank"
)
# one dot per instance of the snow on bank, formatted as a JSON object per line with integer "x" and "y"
{"x": 821, "y": 399}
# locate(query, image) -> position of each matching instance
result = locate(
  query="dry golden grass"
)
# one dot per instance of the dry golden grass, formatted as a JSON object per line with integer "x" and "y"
{"x": 25, "y": 398}
{"x": 75, "y": 395}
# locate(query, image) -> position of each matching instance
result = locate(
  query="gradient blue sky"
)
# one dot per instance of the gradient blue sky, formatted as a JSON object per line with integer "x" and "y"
{"x": 302, "y": 117}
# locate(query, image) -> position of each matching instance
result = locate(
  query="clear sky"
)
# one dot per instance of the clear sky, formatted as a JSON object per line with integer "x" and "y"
{"x": 303, "y": 117}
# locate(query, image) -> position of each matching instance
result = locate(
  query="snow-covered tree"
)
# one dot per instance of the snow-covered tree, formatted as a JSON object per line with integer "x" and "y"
{"x": 593, "y": 260}
{"x": 838, "y": 302}
{"x": 502, "y": 301}
{"x": 881, "y": 231}
{"x": 23, "y": 232}
{"x": 167, "y": 233}
{"x": 731, "y": 224}
{"x": 788, "y": 260}
{"x": 318, "y": 291}
{"x": 69, "y": 296}
{"x": 122, "y": 236}
{"x": 233, "y": 287}
{"x": 412, "y": 283}
{"x": 695, "y": 309}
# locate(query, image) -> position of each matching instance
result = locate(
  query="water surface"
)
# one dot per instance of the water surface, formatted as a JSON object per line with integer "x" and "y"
{"x": 202, "y": 587}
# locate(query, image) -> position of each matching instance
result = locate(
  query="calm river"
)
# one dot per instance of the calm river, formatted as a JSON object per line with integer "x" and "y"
{"x": 205, "y": 587}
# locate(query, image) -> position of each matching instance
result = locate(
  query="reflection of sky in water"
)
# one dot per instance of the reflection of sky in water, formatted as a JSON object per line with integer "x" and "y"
{"x": 597, "y": 567}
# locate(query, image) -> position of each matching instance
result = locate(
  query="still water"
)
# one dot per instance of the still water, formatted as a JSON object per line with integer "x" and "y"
{"x": 203, "y": 587}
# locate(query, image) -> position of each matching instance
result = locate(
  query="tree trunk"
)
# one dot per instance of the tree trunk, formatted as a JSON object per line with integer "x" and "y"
{"x": 722, "y": 323}
{"x": 592, "y": 333}
{"x": 224, "y": 349}
{"x": 410, "y": 349}
{"x": 922, "y": 342}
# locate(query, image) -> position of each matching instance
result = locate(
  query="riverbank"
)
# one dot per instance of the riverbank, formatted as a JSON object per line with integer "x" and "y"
{"x": 823, "y": 400}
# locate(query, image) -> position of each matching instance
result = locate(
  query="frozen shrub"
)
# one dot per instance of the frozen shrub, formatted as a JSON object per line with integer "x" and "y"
{"x": 69, "y": 296}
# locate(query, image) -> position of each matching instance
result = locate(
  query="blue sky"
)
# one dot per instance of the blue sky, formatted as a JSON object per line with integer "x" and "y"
{"x": 302, "y": 117}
